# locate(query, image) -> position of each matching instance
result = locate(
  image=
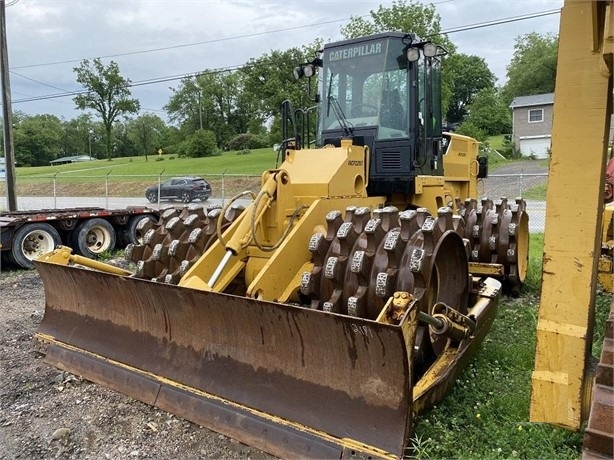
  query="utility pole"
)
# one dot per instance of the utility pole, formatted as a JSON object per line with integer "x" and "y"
{"x": 7, "y": 113}
{"x": 200, "y": 109}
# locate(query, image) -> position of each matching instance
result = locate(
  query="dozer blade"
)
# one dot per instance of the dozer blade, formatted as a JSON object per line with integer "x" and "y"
{"x": 287, "y": 380}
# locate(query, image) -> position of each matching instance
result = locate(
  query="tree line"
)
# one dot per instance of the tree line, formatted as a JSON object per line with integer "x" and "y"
{"x": 240, "y": 109}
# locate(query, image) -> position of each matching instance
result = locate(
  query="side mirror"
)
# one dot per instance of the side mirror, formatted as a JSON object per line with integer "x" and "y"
{"x": 482, "y": 167}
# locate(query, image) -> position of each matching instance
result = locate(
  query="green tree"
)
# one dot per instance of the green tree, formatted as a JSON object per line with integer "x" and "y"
{"x": 146, "y": 132}
{"x": 79, "y": 135}
{"x": 123, "y": 143}
{"x": 471, "y": 74}
{"x": 409, "y": 17}
{"x": 38, "y": 140}
{"x": 489, "y": 113}
{"x": 199, "y": 144}
{"x": 400, "y": 16}
{"x": 468, "y": 128}
{"x": 108, "y": 95}
{"x": 532, "y": 69}
{"x": 170, "y": 139}
{"x": 210, "y": 101}
{"x": 269, "y": 80}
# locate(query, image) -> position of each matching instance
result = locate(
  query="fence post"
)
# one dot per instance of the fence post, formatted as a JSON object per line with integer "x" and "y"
{"x": 106, "y": 190}
{"x": 55, "y": 201}
{"x": 521, "y": 182}
{"x": 223, "y": 189}
{"x": 159, "y": 185}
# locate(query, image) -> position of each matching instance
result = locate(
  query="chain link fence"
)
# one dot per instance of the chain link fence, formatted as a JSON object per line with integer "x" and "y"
{"x": 118, "y": 191}
{"x": 531, "y": 187}
{"x": 111, "y": 191}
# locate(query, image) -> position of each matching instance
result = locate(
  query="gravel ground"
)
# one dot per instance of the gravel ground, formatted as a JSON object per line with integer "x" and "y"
{"x": 47, "y": 414}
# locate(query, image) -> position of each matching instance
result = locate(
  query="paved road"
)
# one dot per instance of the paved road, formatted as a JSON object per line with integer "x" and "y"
{"x": 537, "y": 216}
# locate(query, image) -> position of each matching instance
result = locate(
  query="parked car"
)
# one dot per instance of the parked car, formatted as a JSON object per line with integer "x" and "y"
{"x": 185, "y": 189}
{"x": 450, "y": 127}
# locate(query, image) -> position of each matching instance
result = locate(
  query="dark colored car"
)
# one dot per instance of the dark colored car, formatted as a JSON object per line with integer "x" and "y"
{"x": 185, "y": 189}
{"x": 450, "y": 127}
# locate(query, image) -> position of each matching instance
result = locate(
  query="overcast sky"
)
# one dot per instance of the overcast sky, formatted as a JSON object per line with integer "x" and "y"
{"x": 152, "y": 39}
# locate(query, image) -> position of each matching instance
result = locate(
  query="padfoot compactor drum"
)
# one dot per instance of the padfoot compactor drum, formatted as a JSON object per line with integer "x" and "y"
{"x": 340, "y": 303}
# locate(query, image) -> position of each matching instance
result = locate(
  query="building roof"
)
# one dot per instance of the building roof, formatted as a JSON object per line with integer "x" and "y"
{"x": 73, "y": 159}
{"x": 535, "y": 99}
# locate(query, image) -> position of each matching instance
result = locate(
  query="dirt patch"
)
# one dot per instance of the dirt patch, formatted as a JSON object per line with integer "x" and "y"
{"x": 46, "y": 413}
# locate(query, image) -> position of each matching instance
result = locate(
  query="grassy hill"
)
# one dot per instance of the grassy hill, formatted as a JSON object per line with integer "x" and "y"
{"x": 168, "y": 165}
{"x": 129, "y": 176}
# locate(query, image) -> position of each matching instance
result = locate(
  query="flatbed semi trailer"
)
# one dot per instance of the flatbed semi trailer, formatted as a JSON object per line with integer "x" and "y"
{"x": 90, "y": 231}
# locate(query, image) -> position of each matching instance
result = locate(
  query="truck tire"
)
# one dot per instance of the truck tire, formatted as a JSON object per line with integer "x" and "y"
{"x": 93, "y": 237}
{"x": 32, "y": 241}
{"x": 131, "y": 232}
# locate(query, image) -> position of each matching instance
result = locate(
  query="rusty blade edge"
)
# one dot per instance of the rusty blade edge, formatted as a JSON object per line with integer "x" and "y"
{"x": 279, "y": 437}
{"x": 158, "y": 329}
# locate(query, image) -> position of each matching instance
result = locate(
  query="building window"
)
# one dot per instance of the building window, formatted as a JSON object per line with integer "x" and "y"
{"x": 536, "y": 115}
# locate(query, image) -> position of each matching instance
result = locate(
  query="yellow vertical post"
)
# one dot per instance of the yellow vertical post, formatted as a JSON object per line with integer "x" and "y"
{"x": 582, "y": 108}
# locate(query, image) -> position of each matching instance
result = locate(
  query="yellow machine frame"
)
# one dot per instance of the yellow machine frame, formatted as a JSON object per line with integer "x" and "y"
{"x": 299, "y": 190}
{"x": 583, "y": 104}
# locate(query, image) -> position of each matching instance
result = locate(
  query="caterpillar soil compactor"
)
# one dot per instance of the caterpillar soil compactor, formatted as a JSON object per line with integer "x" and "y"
{"x": 344, "y": 300}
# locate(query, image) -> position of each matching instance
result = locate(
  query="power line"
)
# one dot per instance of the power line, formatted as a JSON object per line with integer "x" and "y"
{"x": 150, "y": 81}
{"x": 497, "y": 22}
{"x": 238, "y": 67}
{"x": 39, "y": 82}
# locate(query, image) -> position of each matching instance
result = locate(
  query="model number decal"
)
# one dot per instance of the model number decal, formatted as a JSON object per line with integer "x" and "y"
{"x": 355, "y": 162}
{"x": 362, "y": 330}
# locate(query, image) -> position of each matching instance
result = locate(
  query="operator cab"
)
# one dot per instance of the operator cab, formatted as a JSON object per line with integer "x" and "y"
{"x": 383, "y": 91}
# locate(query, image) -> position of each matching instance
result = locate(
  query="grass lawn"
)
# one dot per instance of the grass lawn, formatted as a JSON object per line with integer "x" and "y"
{"x": 167, "y": 165}
{"x": 496, "y": 142}
{"x": 129, "y": 176}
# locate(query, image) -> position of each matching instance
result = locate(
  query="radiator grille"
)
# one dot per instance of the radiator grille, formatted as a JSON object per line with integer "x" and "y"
{"x": 391, "y": 160}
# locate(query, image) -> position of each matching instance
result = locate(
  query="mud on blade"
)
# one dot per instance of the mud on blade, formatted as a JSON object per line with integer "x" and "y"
{"x": 288, "y": 380}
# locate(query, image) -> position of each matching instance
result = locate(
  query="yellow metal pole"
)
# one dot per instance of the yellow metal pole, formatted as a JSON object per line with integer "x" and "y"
{"x": 582, "y": 108}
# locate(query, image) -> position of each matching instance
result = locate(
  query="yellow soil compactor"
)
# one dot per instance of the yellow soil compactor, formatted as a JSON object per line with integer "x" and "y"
{"x": 341, "y": 302}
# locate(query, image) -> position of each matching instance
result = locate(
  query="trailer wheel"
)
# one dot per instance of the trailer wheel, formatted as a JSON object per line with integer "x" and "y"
{"x": 93, "y": 237}
{"x": 134, "y": 231}
{"x": 32, "y": 241}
